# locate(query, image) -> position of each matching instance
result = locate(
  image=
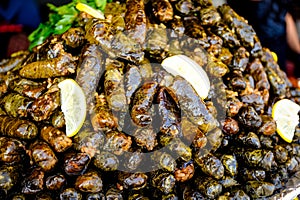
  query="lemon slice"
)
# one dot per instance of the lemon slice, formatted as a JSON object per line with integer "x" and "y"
{"x": 89, "y": 10}
{"x": 285, "y": 113}
{"x": 191, "y": 71}
{"x": 73, "y": 105}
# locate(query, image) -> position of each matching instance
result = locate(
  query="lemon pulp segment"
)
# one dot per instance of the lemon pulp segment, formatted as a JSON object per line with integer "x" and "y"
{"x": 73, "y": 105}
{"x": 181, "y": 65}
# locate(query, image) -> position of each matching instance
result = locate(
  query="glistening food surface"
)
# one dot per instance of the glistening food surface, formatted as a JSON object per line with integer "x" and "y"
{"x": 150, "y": 132}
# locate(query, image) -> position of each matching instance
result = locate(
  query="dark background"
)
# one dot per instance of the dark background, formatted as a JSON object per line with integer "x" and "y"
{"x": 45, "y": 10}
{"x": 295, "y": 9}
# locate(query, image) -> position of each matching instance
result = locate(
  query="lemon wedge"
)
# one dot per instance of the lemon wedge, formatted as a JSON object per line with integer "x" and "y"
{"x": 73, "y": 105}
{"x": 285, "y": 113}
{"x": 274, "y": 56}
{"x": 89, "y": 10}
{"x": 191, "y": 71}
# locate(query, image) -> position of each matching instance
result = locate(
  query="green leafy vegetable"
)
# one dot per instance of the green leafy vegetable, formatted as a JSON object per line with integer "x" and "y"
{"x": 61, "y": 19}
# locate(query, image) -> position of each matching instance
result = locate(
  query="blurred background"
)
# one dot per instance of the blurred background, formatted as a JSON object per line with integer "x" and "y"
{"x": 18, "y": 18}
{"x": 44, "y": 9}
